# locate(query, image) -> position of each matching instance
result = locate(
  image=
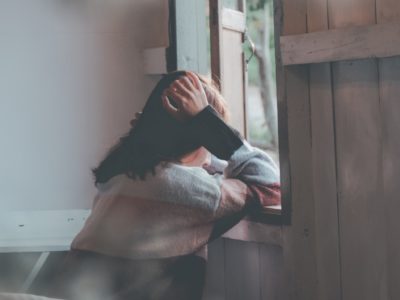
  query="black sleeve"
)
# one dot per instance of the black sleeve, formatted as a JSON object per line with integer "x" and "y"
{"x": 214, "y": 134}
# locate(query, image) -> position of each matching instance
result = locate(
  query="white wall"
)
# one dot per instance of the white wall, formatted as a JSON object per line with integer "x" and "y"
{"x": 71, "y": 78}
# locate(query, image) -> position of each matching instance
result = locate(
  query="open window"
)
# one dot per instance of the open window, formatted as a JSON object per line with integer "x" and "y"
{"x": 234, "y": 42}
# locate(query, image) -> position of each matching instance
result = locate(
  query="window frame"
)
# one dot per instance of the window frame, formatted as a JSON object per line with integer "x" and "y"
{"x": 180, "y": 57}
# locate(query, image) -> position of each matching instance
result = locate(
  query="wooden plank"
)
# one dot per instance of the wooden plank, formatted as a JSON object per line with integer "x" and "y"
{"x": 242, "y": 270}
{"x": 389, "y": 73}
{"x": 359, "y": 179}
{"x": 216, "y": 40}
{"x": 215, "y": 275}
{"x": 271, "y": 272}
{"x": 342, "y": 44}
{"x": 299, "y": 238}
{"x": 387, "y": 11}
{"x": 359, "y": 163}
{"x": 390, "y": 106}
{"x": 233, "y": 20}
{"x": 295, "y": 17}
{"x": 283, "y": 132}
{"x": 317, "y": 15}
{"x": 191, "y": 35}
{"x": 232, "y": 80}
{"x": 324, "y": 165}
{"x": 345, "y": 13}
{"x": 324, "y": 183}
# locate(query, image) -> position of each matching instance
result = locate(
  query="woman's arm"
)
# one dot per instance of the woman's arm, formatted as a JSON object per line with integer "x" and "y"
{"x": 250, "y": 175}
{"x": 245, "y": 164}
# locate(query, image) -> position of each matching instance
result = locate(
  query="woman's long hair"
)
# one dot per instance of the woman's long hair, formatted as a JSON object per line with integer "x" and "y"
{"x": 156, "y": 136}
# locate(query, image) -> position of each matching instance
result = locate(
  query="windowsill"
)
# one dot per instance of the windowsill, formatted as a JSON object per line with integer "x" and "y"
{"x": 273, "y": 209}
{"x": 261, "y": 227}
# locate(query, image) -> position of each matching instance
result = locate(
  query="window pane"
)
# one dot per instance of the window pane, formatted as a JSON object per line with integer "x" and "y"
{"x": 262, "y": 99}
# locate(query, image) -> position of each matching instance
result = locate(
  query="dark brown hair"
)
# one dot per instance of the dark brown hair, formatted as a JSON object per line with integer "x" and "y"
{"x": 156, "y": 136}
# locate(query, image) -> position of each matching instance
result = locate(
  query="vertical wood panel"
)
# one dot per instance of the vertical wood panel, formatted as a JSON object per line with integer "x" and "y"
{"x": 191, "y": 46}
{"x": 359, "y": 162}
{"x": 242, "y": 270}
{"x": 232, "y": 81}
{"x": 345, "y": 13}
{"x": 390, "y": 91}
{"x": 324, "y": 165}
{"x": 317, "y": 15}
{"x": 389, "y": 11}
{"x": 294, "y": 17}
{"x": 216, "y": 40}
{"x": 359, "y": 179}
{"x": 271, "y": 273}
{"x": 324, "y": 183}
{"x": 299, "y": 238}
{"x": 215, "y": 274}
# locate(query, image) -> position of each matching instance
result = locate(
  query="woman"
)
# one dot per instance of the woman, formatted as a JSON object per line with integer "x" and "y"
{"x": 177, "y": 180}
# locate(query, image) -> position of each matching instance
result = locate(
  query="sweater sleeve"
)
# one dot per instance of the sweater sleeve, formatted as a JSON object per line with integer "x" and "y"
{"x": 250, "y": 174}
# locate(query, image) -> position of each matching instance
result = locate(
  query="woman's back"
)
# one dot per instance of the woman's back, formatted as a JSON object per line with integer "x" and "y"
{"x": 163, "y": 222}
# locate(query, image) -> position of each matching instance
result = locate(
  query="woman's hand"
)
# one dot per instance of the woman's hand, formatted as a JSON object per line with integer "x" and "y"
{"x": 189, "y": 96}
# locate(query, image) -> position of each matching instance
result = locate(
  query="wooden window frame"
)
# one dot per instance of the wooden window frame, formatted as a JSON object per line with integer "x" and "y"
{"x": 180, "y": 58}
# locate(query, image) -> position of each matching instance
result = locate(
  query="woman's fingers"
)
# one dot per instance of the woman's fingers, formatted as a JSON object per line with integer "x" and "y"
{"x": 180, "y": 88}
{"x": 168, "y": 106}
{"x": 195, "y": 80}
{"x": 187, "y": 83}
{"x": 188, "y": 95}
{"x": 174, "y": 112}
{"x": 176, "y": 95}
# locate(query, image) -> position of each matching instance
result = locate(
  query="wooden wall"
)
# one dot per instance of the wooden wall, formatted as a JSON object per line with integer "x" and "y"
{"x": 238, "y": 270}
{"x": 343, "y": 129}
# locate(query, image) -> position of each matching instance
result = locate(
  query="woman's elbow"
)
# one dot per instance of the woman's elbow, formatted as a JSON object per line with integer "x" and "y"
{"x": 267, "y": 195}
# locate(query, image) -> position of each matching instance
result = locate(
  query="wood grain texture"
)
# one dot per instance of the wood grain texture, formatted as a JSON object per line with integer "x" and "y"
{"x": 388, "y": 11}
{"x": 359, "y": 162}
{"x": 233, "y": 86}
{"x": 345, "y": 13}
{"x": 389, "y": 71}
{"x": 324, "y": 165}
{"x": 216, "y": 40}
{"x": 233, "y": 20}
{"x": 358, "y": 140}
{"x": 324, "y": 183}
{"x": 389, "y": 94}
{"x": 317, "y": 15}
{"x": 191, "y": 35}
{"x": 242, "y": 270}
{"x": 250, "y": 231}
{"x": 283, "y": 131}
{"x": 342, "y": 44}
{"x": 299, "y": 238}
{"x": 295, "y": 17}
{"x": 271, "y": 273}
{"x": 215, "y": 275}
